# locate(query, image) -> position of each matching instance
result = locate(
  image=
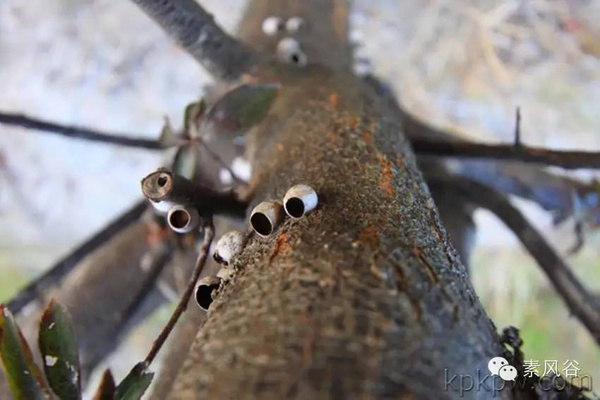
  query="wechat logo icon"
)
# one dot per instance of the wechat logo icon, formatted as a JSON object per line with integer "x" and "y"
{"x": 499, "y": 366}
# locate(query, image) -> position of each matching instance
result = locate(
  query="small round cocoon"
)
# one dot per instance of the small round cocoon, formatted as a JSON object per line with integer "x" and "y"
{"x": 300, "y": 200}
{"x": 204, "y": 291}
{"x": 266, "y": 216}
{"x": 289, "y": 51}
{"x": 162, "y": 207}
{"x": 183, "y": 219}
{"x": 272, "y": 25}
{"x": 294, "y": 24}
{"x": 228, "y": 246}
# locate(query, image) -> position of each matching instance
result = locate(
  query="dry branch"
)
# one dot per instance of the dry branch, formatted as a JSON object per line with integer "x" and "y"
{"x": 209, "y": 233}
{"x": 560, "y": 158}
{"x": 196, "y": 31}
{"x": 77, "y": 132}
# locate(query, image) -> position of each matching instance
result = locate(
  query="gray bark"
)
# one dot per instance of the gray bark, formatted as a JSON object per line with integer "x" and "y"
{"x": 195, "y": 30}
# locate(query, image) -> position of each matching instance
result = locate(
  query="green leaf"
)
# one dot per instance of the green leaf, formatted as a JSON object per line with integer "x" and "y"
{"x": 59, "y": 352}
{"x": 185, "y": 161}
{"x": 167, "y": 137}
{"x": 191, "y": 117}
{"x": 239, "y": 110}
{"x": 135, "y": 384}
{"x": 23, "y": 375}
{"x": 107, "y": 389}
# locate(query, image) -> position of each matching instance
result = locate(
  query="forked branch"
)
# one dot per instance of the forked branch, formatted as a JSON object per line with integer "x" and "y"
{"x": 196, "y": 31}
{"x": 583, "y": 304}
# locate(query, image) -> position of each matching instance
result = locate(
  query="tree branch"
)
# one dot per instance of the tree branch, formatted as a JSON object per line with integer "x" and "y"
{"x": 77, "y": 132}
{"x": 196, "y": 31}
{"x": 559, "y": 158}
{"x": 584, "y": 305}
{"x": 55, "y": 274}
{"x": 209, "y": 233}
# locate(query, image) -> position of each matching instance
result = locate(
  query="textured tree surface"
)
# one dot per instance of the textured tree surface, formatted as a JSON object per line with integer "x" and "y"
{"x": 364, "y": 298}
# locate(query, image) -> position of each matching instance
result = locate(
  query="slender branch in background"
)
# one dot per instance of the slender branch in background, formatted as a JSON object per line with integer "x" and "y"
{"x": 584, "y": 305}
{"x": 209, "y": 233}
{"x": 518, "y": 127}
{"x": 428, "y": 140}
{"x": 559, "y": 158}
{"x": 78, "y": 132}
{"x": 196, "y": 31}
{"x": 57, "y": 272}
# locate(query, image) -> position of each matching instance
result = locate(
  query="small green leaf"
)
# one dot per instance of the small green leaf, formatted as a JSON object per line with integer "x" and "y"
{"x": 239, "y": 110}
{"x": 59, "y": 352}
{"x": 191, "y": 117}
{"x": 185, "y": 161}
{"x": 135, "y": 384}
{"x": 23, "y": 375}
{"x": 167, "y": 137}
{"x": 107, "y": 389}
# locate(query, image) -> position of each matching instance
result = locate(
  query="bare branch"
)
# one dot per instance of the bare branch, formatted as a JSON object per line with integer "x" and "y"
{"x": 77, "y": 132}
{"x": 428, "y": 140}
{"x": 559, "y": 158}
{"x": 209, "y": 233}
{"x": 584, "y": 305}
{"x": 196, "y": 31}
{"x": 56, "y": 273}
{"x": 518, "y": 127}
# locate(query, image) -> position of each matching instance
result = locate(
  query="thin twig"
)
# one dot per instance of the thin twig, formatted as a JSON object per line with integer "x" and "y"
{"x": 56, "y": 273}
{"x": 196, "y": 31}
{"x": 518, "y": 127}
{"x": 77, "y": 132}
{"x": 209, "y": 233}
{"x": 559, "y": 158}
{"x": 580, "y": 302}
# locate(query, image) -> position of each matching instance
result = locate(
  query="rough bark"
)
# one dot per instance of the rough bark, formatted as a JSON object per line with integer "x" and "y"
{"x": 366, "y": 297}
{"x": 323, "y": 39}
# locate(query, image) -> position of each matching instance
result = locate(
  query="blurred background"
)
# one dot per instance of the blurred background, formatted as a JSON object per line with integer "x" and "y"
{"x": 463, "y": 65}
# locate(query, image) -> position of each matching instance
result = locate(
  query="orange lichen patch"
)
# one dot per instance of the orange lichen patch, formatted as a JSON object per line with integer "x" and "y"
{"x": 333, "y": 100}
{"x": 331, "y": 137}
{"x": 400, "y": 162}
{"x": 428, "y": 268}
{"x": 368, "y": 137}
{"x": 369, "y": 237}
{"x": 281, "y": 246}
{"x": 387, "y": 176}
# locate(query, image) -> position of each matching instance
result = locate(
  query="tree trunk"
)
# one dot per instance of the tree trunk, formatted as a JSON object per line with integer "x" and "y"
{"x": 364, "y": 298}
